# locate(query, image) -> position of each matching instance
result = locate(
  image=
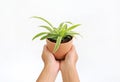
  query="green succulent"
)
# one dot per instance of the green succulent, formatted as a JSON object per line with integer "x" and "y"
{"x": 56, "y": 34}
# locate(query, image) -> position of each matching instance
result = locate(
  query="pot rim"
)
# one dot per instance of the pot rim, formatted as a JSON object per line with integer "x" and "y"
{"x": 60, "y": 43}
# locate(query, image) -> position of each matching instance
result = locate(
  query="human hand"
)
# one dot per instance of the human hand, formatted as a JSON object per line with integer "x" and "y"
{"x": 51, "y": 67}
{"x": 70, "y": 59}
{"x": 49, "y": 59}
{"x": 68, "y": 68}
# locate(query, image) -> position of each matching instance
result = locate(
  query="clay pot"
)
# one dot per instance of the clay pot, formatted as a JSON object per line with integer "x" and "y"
{"x": 62, "y": 50}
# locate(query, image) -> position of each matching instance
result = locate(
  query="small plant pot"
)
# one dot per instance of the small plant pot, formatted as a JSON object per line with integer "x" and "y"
{"x": 62, "y": 50}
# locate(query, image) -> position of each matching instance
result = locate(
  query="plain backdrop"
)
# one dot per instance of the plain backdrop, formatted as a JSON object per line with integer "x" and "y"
{"x": 98, "y": 50}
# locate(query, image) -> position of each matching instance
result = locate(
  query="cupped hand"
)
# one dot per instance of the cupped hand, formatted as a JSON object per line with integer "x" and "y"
{"x": 49, "y": 59}
{"x": 70, "y": 59}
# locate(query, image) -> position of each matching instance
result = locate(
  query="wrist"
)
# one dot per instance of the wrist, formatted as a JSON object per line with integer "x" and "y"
{"x": 48, "y": 74}
{"x": 51, "y": 67}
{"x": 68, "y": 67}
{"x": 68, "y": 72}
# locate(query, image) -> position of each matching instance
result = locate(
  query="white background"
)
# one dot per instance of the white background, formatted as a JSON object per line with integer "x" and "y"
{"x": 99, "y": 50}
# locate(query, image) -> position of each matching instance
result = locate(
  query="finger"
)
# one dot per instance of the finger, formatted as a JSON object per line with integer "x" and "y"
{"x": 72, "y": 50}
{"x": 45, "y": 50}
{"x": 74, "y": 53}
{"x": 47, "y": 53}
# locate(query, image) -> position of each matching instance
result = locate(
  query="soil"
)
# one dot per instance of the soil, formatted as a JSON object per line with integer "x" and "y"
{"x": 64, "y": 40}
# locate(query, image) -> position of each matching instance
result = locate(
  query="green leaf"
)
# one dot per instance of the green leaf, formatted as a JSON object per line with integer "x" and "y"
{"x": 57, "y": 44}
{"x": 63, "y": 30}
{"x": 68, "y": 22}
{"x": 52, "y": 36}
{"x": 56, "y": 30}
{"x": 72, "y": 27}
{"x": 43, "y": 20}
{"x": 47, "y": 27}
{"x": 44, "y": 37}
{"x": 61, "y": 24}
{"x": 72, "y": 33}
{"x": 65, "y": 27}
{"x": 39, "y": 34}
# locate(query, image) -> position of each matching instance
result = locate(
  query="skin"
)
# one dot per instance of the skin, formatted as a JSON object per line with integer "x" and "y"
{"x": 68, "y": 67}
{"x": 52, "y": 67}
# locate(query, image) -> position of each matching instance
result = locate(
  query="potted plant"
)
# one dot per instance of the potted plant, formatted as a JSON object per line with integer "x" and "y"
{"x": 59, "y": 40}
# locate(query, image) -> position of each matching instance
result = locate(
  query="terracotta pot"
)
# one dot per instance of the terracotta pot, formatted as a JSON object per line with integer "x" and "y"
{"x": 62, "y": 50}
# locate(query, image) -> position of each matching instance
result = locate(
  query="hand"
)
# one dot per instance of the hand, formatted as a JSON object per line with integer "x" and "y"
{"x": 70, "y": 59}
{"x": 68, "y": 68}
{"x": 49, "y": 59}
{"x": 51, "y": 67}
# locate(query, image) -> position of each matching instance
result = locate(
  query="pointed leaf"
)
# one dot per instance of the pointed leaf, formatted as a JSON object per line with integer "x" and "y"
{"x": 63, "y": 30}
{"x": 43, "y": 20}
{"x": 68, "y": 22}
{"x": 72, "y": 27}
{"x": 53, "y": 36}
{"x": 43, "y": 37}
{"x": 72, "y": 33}
{"x": 57, "y": 44}
{"x": 39, "y": 34}
{"x": 47, "y": 27}
{"x": 61, "y": 24}
{"x": 65, "y": 27}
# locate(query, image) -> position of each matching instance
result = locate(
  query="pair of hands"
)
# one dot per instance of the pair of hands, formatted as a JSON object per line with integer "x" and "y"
{"x": 50, "y": 61}
{"x": 52, "y": 66}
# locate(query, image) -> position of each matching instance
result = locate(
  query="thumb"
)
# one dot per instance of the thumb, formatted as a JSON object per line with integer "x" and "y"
{"x": 45, "y": 50}
{"x": 72, "y": 50}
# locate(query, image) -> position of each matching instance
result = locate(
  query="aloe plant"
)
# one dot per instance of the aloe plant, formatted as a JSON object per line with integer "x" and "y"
{"x": 56, "y": 33}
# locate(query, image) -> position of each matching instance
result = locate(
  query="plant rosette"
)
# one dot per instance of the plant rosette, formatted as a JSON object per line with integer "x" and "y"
{"x": 59, "y": 39}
